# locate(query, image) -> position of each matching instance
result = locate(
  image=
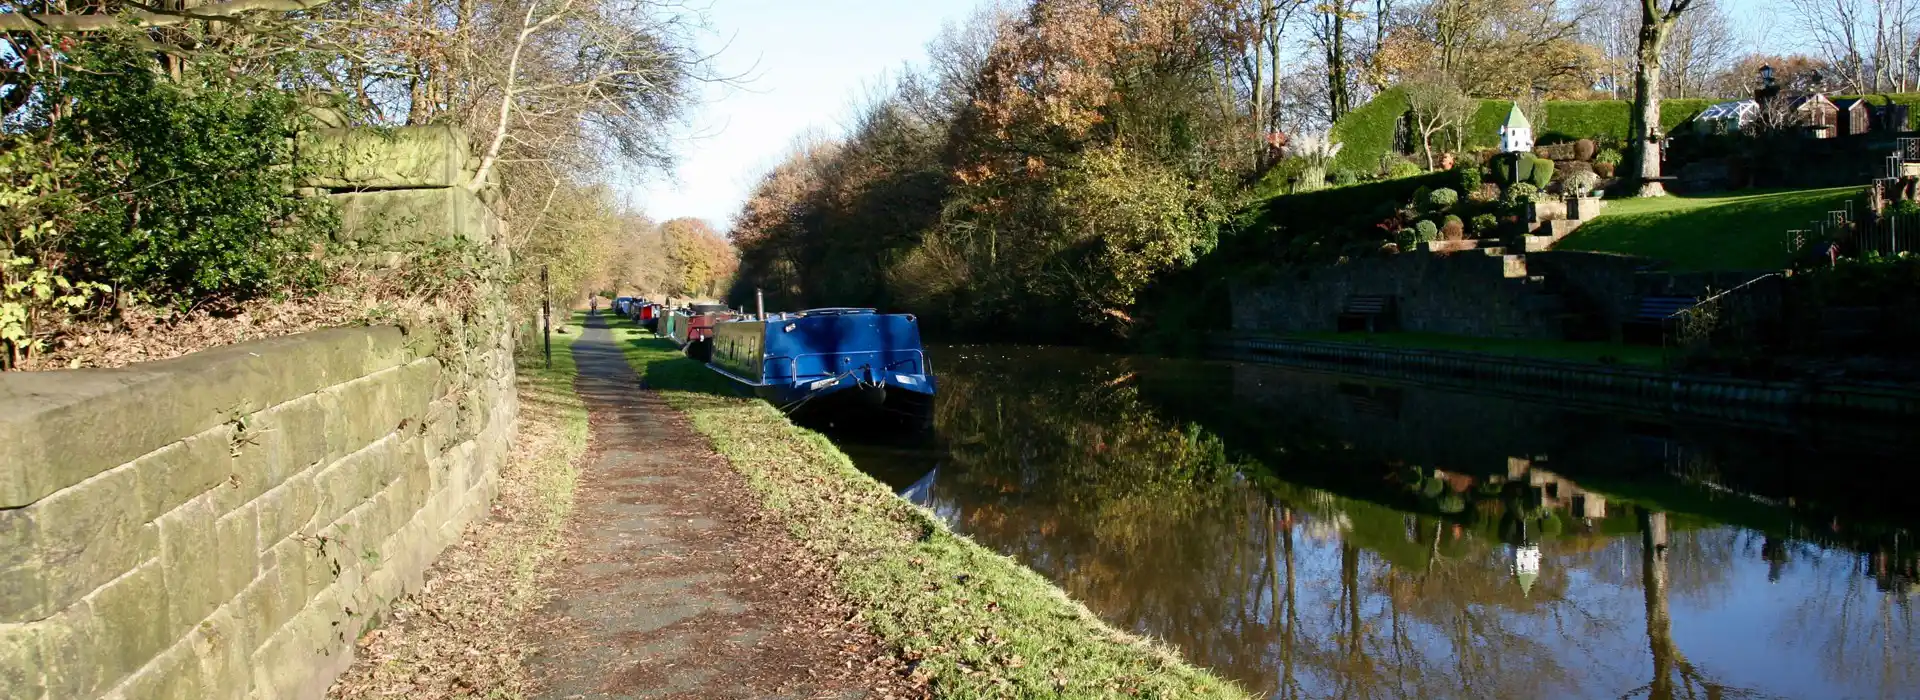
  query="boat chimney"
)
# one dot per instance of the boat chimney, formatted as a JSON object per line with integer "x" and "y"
{"x": 759, "y": 304}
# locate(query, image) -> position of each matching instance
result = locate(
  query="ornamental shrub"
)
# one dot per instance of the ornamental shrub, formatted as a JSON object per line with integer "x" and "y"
{"x": 1584, "y": 150}
{"x": 1469, "y": 175}
{"x": 1404, "y": 168}
{"x": 1342, "y": 177}
{"x": 1442, "y": 198}
{"x": 1521, "y": 193}
{"x": 1541, "y": 173}
{"x": 1453, "y": 229}
{"x": 1425, "y": 231}
{"x": 1608, "y": 156}
{"x": 1484, "y": 225}
{"x": 1582, "y": 182}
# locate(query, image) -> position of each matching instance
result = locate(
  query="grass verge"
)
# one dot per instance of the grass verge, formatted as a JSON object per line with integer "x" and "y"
{"x": 459, "y": 636}
{"x": 978, "y": 624}
{"x": 1744, "y": 230}
{"x": 1601, "y": 353}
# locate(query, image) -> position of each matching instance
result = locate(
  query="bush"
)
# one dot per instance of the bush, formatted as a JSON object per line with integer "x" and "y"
{"x": 1541, "y": 173}
{"x": 1906, "y": 207}
{"x": 1487, "y": 192}
{"x": 1442, "y": 198}
{"x": 1425, "y": 231}
{"x": 186, "y": 190}
{"x": 1368, "y": 131}
{"x": 1521, "y": 193}
{"x": 1452, "y": 228}
{"x": 1469, "y": 175}
{"x": 1484, "y": 225}
{"x": 1608, "y": 156}
{"x": 1404, "y": 168}
{"x": 1584, "y": 150}
{"x": 1342, "y": 177}
{"x": 1582, "y": 182}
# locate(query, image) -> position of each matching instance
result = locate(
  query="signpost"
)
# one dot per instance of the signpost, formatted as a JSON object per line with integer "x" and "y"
{"x": 546, "y": 316}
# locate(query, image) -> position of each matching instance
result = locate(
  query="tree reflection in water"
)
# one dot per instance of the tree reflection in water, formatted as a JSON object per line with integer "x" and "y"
{"x": 1308, "y": 553}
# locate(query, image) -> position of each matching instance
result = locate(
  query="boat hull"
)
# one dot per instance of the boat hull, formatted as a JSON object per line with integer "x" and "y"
{"x": 830, "y": 366}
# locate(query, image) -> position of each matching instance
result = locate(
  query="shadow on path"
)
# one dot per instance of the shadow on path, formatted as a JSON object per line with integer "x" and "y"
{"x": 673, "y": 583}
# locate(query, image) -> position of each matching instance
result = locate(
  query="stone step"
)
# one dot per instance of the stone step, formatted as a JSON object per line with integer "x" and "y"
{"x": 1514, "y": 266}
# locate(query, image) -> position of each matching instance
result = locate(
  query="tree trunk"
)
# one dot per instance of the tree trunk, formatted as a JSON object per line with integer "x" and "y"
{"x": 1653, "y": 585}
{"x": 1337, "y": 98}
{"x": 1645, "y": 126}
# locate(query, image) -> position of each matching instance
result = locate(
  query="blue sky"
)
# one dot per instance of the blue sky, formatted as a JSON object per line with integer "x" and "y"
{"x": 806, "y": 62}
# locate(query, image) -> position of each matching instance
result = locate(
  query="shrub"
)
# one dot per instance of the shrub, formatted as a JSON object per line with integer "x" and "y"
{"x": 1582, "y": 182}
{"x": 1484, "y": 225}
{"x": 1342, "y": 177}
{"x": 1608, "y": 156}
{"x": 1469, "y": 175}
{"x": 186, "y": 186}
{"x": 1368, "y": 130}
{"x": 1604, "y": 170}
{"x": 1584, "y": 150}
{"x": 1425, "y": 231}
{"x": 1906, "y": 207}
{"x": 1521, "y": 193}
{"x": 1541, "y": 173}
{"x": 1442, "y": 198}
{"x": 1487, "y": 192}
{"x": 1404, "y": 168}
{"x": 1452, "y": 228}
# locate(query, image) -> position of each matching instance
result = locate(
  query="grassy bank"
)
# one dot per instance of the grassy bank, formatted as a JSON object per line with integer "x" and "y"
{"x": 979, "y": 624}
{"x": 459, "y": 637}
{"x": 1743, "y": 230}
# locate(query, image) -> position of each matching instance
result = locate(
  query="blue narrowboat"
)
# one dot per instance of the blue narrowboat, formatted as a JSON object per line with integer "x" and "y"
{"x": 830, "y": 362}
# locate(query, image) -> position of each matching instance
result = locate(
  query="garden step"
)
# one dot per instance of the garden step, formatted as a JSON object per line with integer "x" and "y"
{"x": 1514, "y": 266}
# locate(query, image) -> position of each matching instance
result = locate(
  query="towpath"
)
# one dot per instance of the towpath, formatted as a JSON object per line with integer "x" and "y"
{"x": 673, "y": 583}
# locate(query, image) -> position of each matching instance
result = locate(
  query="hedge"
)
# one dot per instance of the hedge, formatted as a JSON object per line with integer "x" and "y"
{"x": 1368, "y": 131}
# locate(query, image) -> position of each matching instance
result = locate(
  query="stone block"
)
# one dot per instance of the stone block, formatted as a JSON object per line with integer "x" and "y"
{"x": 52, "y": 424}
{"x": 22, "y": 666}
{"x": 175, "y": 673}
{"x": 191, "y": 560}
{"x": 278, "y": 443}
{"x": 401, "y": 157}
{"x": 178, "y": 472}
{"x": 346, "y": 484}
{"x": 94, "y": 645}
{"x": 223, "y": 647}
{"x": 65, "y": 546}
{"x": 286, "y": 509}
{"x": 396, "y": 219}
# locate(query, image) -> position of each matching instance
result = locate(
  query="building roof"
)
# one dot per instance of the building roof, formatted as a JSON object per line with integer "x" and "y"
{"x": 1850, "y": 102}
{"x": 1516, "y": 120}
{"x": 1810, "y": 100}
{"x": 1729, "y": 110}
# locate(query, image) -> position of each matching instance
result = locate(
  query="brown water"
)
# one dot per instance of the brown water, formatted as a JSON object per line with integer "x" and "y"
{"x": 1313, "y": 535}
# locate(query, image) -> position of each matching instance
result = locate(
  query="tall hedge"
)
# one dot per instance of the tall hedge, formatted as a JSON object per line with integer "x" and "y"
{"x": 1368, "y": 131}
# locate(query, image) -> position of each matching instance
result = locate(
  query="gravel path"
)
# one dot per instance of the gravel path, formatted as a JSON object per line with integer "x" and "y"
{"x": 674, "y": 584}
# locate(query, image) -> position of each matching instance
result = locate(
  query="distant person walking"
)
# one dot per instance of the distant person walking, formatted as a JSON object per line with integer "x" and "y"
{"x": 593, "y": 306}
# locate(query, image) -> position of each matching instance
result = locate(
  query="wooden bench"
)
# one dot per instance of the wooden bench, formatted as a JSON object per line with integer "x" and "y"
{"x": 1654, "y": 315}
{"x": 1363, "y": 312}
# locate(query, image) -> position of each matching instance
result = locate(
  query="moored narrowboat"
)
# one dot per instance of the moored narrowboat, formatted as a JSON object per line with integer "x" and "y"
{"x": 830, "y": 362}
{"x": 699, "y": 345}
{"x": 649, "y": 316}
{"x": 673, "y": 325}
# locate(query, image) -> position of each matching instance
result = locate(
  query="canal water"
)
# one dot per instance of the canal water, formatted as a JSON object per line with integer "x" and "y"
{"x": 1315, "y": 535}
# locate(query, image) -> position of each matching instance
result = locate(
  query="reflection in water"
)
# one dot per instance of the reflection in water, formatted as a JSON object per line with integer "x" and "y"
{"x": 1313, "y": 536}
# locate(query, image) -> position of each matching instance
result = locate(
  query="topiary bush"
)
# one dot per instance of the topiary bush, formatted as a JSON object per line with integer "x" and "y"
{"x": 1585, "y": 149}
{"x": 1541, "y": 173}
{"x": 1342, "y": 177}
{"x": 1425, "y": 231}
{"x": 1442, "y": 199}
{"x": 1521, "y": 193}
{"x": 1452, "y": 228}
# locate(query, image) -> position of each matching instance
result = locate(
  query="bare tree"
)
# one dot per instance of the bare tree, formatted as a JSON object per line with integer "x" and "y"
{"x": 1437, "y": 104}
{"x": 1870, "y": 43}
{"x": 1657, "y": 18}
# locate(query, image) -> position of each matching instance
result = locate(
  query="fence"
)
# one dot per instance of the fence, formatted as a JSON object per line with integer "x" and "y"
{"x": 1891, "y": 234}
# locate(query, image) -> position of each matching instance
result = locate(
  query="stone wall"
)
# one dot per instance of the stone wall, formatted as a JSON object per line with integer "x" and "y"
{"x": 226, "y": 524}
{"x": 1468, "y": 293}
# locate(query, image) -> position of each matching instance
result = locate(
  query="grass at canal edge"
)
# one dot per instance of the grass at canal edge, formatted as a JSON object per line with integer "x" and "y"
{"x": 462, "y": 630}
{"x": 979, "y": 624}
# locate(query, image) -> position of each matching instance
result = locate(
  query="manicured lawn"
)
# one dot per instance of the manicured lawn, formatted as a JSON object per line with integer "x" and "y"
{"x": 1604, "y": 353}
{"x": 1745, "y": 230}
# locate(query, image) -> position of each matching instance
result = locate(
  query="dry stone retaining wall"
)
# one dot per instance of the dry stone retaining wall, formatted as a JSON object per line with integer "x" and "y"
{"x": 226, "y": 524}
